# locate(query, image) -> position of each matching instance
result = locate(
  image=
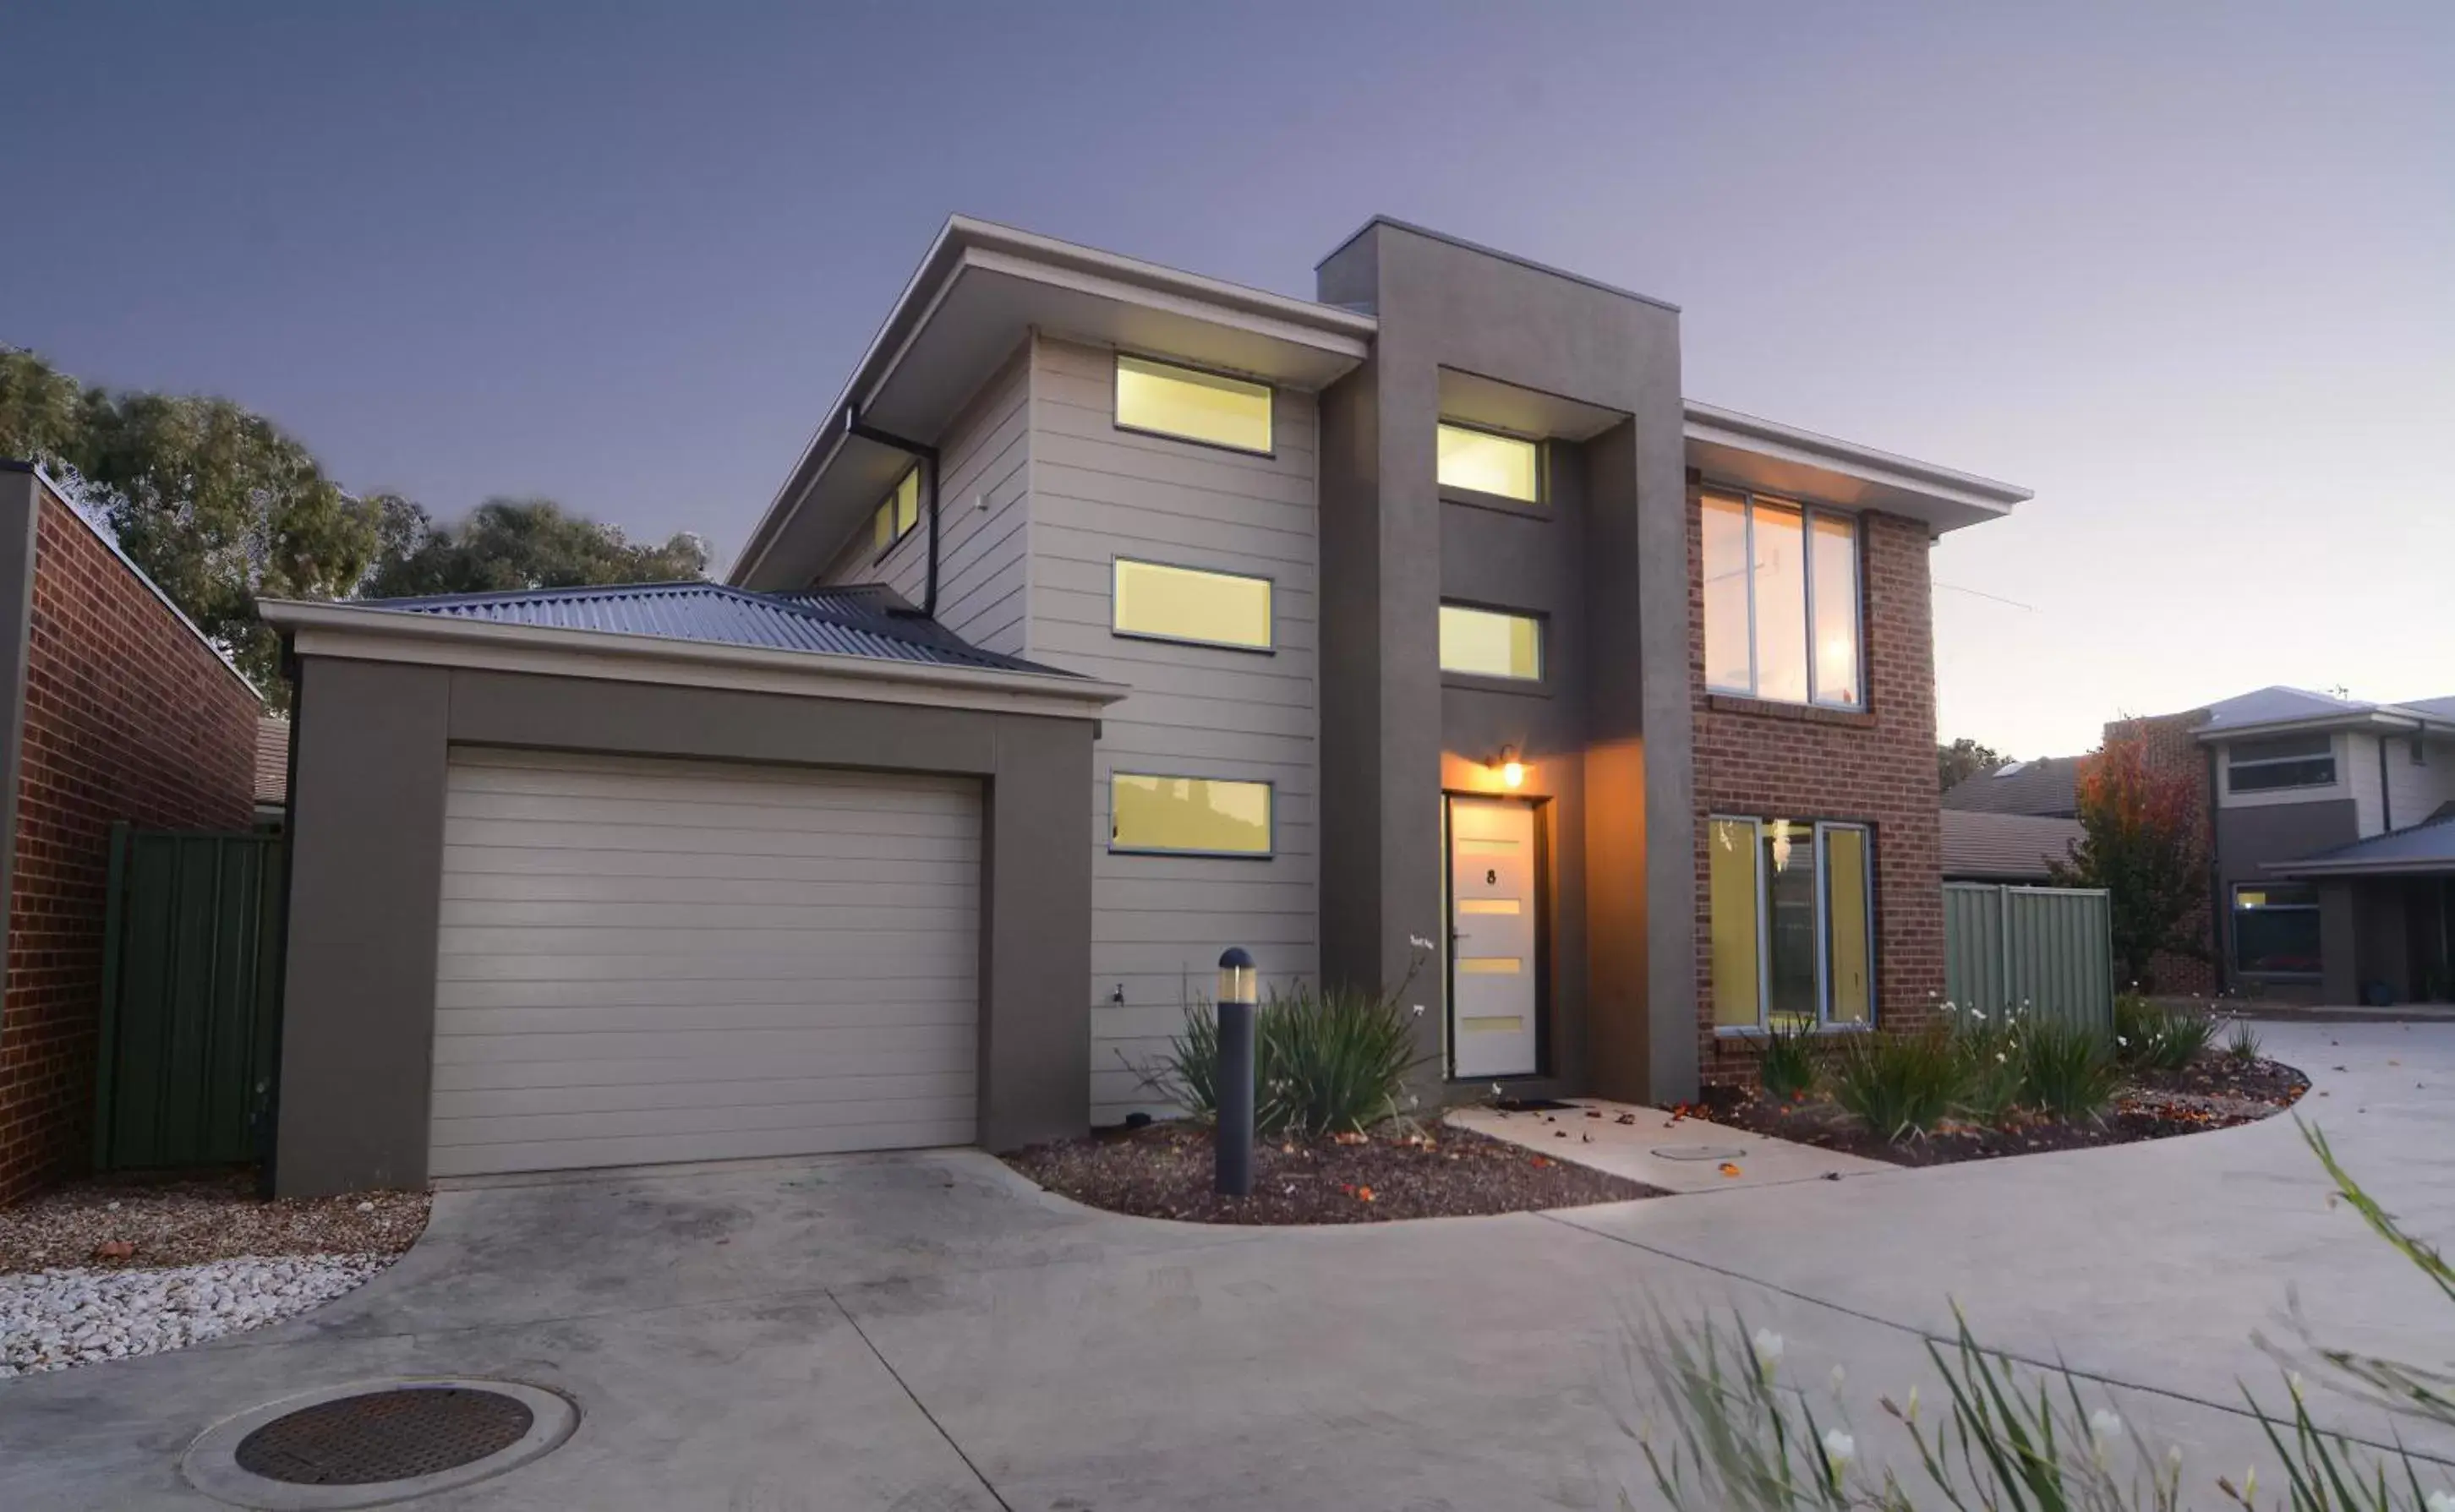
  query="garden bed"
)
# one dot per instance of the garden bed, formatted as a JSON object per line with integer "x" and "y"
{"x": 1164, "y": 1170}
{"x": 2215, "y": 1091}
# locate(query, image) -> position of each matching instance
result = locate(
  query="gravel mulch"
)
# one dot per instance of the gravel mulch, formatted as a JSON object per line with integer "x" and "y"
{"x": 1164, "y": 1170}
{"x": 2215, "y": 1092}
{"x": 53, "y": 1319}
{"x": 119, "y": 1224}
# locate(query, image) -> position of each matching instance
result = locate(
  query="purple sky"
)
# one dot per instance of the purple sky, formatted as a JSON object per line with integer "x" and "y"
{"x": 2186, "y": 270}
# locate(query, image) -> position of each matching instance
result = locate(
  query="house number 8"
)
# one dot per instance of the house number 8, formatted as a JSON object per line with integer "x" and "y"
{"x": 1491, "y": 878}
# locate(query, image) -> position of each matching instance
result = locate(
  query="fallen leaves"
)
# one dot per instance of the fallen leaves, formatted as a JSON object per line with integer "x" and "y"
{"x": 1730, "y": 1168}
{"x": 113, "y": 1249}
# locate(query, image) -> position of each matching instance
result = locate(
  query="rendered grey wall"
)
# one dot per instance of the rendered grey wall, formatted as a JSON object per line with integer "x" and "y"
{"x": 1444, "y": 305}
{"x": 367, "y": 878}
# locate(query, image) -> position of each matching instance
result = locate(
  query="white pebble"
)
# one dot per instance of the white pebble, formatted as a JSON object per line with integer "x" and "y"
{"x": 53, "y": 1319}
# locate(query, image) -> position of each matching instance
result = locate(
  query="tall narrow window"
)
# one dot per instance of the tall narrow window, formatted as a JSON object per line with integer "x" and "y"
{"x": 1791, "y": 914}
{"x": 899, "y": 511}
{"x": 1731, "y": 898}
{"x": 1782, "y": 600}
{"x": 1487, "y": 643}
{"x": 1487, "y": 462}
{"x": 1192, "y": 405}
{"x": 1848, "y": 926}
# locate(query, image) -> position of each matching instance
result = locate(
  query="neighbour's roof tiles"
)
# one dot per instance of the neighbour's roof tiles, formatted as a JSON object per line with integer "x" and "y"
{"x": 863, "y": 620}
{"x": 2005, "y": 847}
{"x": 2428, "y": 846}
{"x": 271, "y": 759}
{"x": 2043, "y": 787}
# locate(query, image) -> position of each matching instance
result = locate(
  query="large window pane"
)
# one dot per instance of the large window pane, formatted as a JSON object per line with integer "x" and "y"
{"x": 1188, "y": 814}
{"x": 1732, "y": 902}
{"x": 1836, "y": 561}
{"x": 1196, "y": 406}
{"x": 1726, "y": 595}
{"x": 2276, "y": 928}
{"x": 1781, "y": 540}
{"x": 1181, "y": 603}
{"x": 1489, "y": 644}
{"x": 1790, "y": 939}
{"x": 1485, "y": 463}
{"x": 2282, "y": 761}
{"x": 1849, "y": 973}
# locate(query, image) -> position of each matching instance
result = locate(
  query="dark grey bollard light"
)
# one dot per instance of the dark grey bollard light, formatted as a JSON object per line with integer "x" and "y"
{"x": 1239, "y": 984}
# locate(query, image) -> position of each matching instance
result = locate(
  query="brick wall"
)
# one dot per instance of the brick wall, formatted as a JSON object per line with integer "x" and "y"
{"x": 2168, "y": 747}
{"x": 128, "y": 716}
{"x": 1781, "y": 761}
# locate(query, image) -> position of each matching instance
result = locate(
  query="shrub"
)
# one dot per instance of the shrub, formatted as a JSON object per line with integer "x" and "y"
{"x": 1898, "y": 1084}
{"x": 1323, "y": 1062}
{"x": 2147, "y": 1037}
{"x": 2067, "y": 1070}
{"x": 1787, "y": 1066}
{"x": 2242, "y": 1044}
{"x": 1988, "y": 1047}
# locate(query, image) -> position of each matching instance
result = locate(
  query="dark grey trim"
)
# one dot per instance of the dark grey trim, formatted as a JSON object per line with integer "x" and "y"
{"x": 21, "y": 509}
{"x": 1429, "y": 234}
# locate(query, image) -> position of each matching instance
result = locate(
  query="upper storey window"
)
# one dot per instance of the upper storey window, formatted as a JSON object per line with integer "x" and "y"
{"x": 1487, "y": 462}
{"x": 898, "y": 512}
{"x": 1783, "y": 602}
{"x": 2286, "y": 761}
{"x": 1192, "y": 405}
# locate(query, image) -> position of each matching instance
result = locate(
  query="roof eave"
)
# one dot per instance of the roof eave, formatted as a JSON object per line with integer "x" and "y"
{"x": 1729, "y": 446}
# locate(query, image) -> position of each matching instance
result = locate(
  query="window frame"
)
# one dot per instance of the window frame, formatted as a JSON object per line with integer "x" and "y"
{"x": 1809, "y": 513}
{"x": 2233, "y": 763}
{"x": 1824, "y": 1021}
{"x": 1268, "y": 647}
{"x": 1119, "y": 356}
{"x": 1539, "y": 506}
{"x": 2234, "y": 909}
{"x": 1500, "y": 681}
{"x": 886, "y": 504}
{"x": 1266, "y": 784}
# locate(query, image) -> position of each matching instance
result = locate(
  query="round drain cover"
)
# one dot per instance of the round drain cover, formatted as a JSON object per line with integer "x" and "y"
{"x": 385, "y": 1436}
{"x": 1701, "y": 1152}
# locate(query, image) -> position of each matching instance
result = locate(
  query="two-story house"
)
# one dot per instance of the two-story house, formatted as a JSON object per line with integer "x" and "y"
{"x": 1419, "y": 636}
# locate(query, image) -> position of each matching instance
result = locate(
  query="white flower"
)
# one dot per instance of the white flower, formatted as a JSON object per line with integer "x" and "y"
{"x": 1420, "y": 942}
{"x": 2105, "y": 1424}
{"x": 2441, "y": 1501}
{"x": 2000, "y": 1057}
{"x": 2250, "y": 1485}
{"x": 1768, "y": 1347}
{"x": 2120, "y": 1040}
{"x": 1840, "y": 1376}
{"x": 1839, "y": 1447}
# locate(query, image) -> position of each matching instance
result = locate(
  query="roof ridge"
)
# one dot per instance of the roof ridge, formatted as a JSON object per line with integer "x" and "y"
{"x": 502, "y": 595}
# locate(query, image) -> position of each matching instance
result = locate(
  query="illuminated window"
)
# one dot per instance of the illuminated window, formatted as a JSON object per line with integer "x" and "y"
{"x": 1486, "y": 643}
{"x": 1182, "y": 603}
{"x": 1482, "y": 462}
{"x": 1793, "y": 923}
{"x": 1192, "y": 405}
{"x": 2276, "y": 928}
{"x": 1781, "y": 602}
{"x": 1205, "y": 816}
{"x": 899, "y": 511}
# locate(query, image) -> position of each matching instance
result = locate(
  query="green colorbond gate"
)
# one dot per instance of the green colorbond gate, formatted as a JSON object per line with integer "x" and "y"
{"x": 191, "y": 998}
{"x": 2049, "y": 950}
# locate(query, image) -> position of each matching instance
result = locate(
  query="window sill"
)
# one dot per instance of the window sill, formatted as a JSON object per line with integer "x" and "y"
{"x": 1801, "y": 713}
{"x": 1497, "y": 503}
{"x": 1761, "y": 1031}
{"x": 1522, "y": 687}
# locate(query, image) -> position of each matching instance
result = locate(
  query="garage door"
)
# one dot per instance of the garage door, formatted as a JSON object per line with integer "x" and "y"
{"x": 651, "y": 961}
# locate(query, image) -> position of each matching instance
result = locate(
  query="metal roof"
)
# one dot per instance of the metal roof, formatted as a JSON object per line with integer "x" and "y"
{"x": 2279, "y": 705}
{"x": 2044, "y": 786}
{"x": 2427, "y": 847}
{"x": 2005, "y": 847}
{"x": 863, "y": 620}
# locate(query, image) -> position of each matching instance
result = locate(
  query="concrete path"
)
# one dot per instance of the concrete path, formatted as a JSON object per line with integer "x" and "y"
{"x": 1676, "y": 1154}
{"x": 926, "y": 1332}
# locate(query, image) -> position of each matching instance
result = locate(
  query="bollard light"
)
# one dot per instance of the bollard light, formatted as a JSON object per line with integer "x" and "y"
{"x": 1239, "y": 985}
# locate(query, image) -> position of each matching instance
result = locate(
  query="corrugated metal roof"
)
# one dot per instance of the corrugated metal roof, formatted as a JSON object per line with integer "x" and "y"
{"x": 864, "y": 619}
{"x": 2426, "y": 847}
{"x": 2005, "y": 847}
{"x": 2282, "y": 705}
{"x": 2043, "y": 786}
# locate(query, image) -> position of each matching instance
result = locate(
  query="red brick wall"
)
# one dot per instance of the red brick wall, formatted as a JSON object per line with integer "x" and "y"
{"x": 128, "y": 716}
{"x": 1781, "y": 761}
{"x": 2170, "y": 749}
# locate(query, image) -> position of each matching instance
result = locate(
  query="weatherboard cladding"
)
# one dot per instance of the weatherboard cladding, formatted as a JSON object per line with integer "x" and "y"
{"x": 860, "y": 621}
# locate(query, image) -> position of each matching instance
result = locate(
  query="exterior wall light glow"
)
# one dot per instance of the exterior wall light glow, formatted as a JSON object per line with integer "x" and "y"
{"x": 1513, "y": 771}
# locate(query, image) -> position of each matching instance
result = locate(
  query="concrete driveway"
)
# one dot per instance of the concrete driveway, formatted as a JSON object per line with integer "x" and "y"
{"x": 926, "y": 1332}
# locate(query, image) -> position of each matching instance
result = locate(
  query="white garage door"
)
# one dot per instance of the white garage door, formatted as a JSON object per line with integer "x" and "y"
{"x": 658, "y": 961}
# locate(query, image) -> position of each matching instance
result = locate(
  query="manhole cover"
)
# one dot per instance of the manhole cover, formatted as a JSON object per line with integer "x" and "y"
{"x": 1701, "y": 1152}
{"x": 376, "y": 1443}
{"x": 385, "y": 1436}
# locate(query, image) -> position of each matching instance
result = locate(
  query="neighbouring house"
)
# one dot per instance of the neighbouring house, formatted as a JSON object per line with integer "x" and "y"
{"x": 2045, "y": 788}
{"x": 2331, "y": 865}
{"x": 2021, "y": 847}
{"x": 1418, "y": 636}
{"x": 272, "y": 771}
{"x": 118, "y": 709}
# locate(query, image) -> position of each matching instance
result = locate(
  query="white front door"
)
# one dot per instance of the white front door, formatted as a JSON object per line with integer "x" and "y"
{"x": 1492, "y": 938}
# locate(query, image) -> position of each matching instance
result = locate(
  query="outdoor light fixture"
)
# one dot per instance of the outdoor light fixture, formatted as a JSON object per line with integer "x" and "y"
{"x": 1512, "y": 772}
{"x": 1232, "y": 1149}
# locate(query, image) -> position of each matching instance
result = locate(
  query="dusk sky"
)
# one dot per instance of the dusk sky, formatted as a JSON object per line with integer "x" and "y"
{"x": 2188, "y": 272}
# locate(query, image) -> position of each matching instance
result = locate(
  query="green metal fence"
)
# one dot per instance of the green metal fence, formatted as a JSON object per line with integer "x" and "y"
{"x": 2047, "y": 949}
{"x": 191, "y": 998}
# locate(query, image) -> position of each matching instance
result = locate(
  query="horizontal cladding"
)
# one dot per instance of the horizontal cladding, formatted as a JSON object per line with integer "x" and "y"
{"x": 1159, "y": 922}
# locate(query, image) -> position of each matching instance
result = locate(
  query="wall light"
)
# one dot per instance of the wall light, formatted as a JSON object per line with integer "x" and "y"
{"x": 1513, "y": 771}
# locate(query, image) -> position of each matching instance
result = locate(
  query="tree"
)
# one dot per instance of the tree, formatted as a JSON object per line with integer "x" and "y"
{"x": 509, "y": 543}
{"x": 2141, "y": 843}
{"x": 42, "y": 410}
{"x": 1964, "y": 758}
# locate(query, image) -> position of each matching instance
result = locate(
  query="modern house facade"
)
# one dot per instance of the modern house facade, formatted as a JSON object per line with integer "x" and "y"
{"x": 1418, "y": 636}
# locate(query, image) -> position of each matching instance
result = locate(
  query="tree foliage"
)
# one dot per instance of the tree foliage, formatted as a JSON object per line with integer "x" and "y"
{"x": 2141, "y": 843}
{"x": 1962, "y": 759}
{"x": 510, "y": 543}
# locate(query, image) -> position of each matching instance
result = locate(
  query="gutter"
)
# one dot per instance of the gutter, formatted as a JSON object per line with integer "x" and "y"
{"x": 928, "y": 459}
